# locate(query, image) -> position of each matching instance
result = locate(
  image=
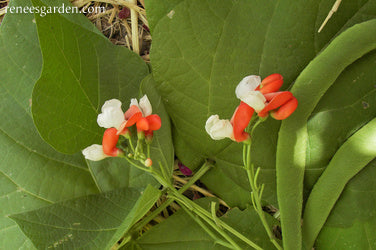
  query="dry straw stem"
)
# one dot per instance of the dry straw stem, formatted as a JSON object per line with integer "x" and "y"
{"x": 3, "y": 8}
{"x": 201, "y": 190}
{"x": 331, "y": 12}
{"x": 127, "y": 32}
{"x": 134, "y": 22}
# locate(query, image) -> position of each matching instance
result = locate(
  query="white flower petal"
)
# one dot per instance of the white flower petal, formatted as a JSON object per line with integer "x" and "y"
{"x": 134, "y": 102}
{"x": 94, "y": 153}
{"x": 248, "y": 84}
{"x": 112, "y": 115}
{"x": 218, "y": 129}
{"x": 145, "y": 106}
{"x": 255, "y": 99}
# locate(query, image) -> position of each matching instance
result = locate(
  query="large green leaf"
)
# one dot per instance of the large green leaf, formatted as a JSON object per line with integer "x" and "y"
{"x": 81, "y": 70}
{"x": 202, "y": 70}
{"x": 352, "y": 222}
{"x": 112, "y": 173}
{"x": 180, "y": 231}
{"x": 32, "y": 174}
{"x": 201, "y": 52}
{"x": 94, "y": 221}
{"x": 158, "y": 9}
{"x": 161, "y": 149}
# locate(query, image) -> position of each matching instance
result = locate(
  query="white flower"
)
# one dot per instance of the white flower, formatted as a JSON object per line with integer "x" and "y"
{"x": 218, "y": 129}
{"x": 94, "y": 153}
{"x": 112, "y": 115}
{"x": 144, "y": 105}
{"x": 246, "y": 92}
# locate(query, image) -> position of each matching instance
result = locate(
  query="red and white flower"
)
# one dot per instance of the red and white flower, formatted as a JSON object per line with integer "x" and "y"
{"x": 263, "y": 97}
{"x": 117, "y": 122}
{"x": 140, "y": 113}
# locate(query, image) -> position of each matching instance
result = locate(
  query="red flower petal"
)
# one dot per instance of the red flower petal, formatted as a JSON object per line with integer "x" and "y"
{"x": 285, "y": 110}
{"x": 132, "y": 115}
{"x": 275, "y": 100}
{"x": 142, "y": 124}
{"x": 271, "y": 84}
{"x": 154, "y": 121}
{"x": 240, "y": 121}
{"x": 109, "y": 141}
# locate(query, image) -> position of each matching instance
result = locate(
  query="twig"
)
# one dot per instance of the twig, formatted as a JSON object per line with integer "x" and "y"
{"x": 134, "y": 25}
{"x": 331, "y": 12}
{"x": 201, "y": 190}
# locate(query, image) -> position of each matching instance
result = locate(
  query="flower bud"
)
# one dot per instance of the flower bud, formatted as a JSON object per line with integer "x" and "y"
{"x": 148, "y": 162}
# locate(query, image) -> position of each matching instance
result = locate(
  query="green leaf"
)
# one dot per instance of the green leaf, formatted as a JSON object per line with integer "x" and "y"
{"x": 200, "y": 54}
{"x": 158, "y": 9}
{"x": 310, "y": 86}
{"x": 358, "y": 236}
{"x": 32, "y": 174}
{"x": 113, "y": 173}
{"x": 351, "y": 157}
{"x": 352, "y": 221}
{"x": 81, "y": 70}
{"x": 180, "y": 231}
{"x": 94, "y": 221}
{"x": 161, "y": 149}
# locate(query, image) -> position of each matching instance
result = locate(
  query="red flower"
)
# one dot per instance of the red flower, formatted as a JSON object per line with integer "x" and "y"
{"x": 109, "y": 141}
{"x": 270, "y": 84}
{"x": 281, "y": 105}
{"x": 140, "y": 114}
{"x": 240, "y": 120}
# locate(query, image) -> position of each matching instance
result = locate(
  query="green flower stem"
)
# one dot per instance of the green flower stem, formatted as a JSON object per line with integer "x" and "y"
{"x": 207, "y": 230}
{"x": 257, "y": 193}
{"x": 216, "y": 228}
{"x": 149, "y": 170}
{"x": 130, "y": 142}
{"x": 162, "y": 207}
{"x": 148, "y": 150}
{"x": 124, "y": 241}
{"x": 207, "y": 215}
{"x": 139, "y": 149}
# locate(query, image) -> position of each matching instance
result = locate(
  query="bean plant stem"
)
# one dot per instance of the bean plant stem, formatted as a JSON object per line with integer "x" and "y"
{"x": 207, "y": 230}
{"x": 131, "y": 144}
{"x": 197, "y": 209}
{"x": 218, "y": 229}
{"x": 256, "y": 194}
{"x": 157, "y": 211}
{"x": 138, "y": 166}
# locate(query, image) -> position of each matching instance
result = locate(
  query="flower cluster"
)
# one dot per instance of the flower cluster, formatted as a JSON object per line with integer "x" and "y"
{"x": 262, "y": 97}
{"x": 117, "y": 123}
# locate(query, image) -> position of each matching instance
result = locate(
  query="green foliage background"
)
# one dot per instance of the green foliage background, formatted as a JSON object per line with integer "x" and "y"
{"x": 58, "y": 70}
